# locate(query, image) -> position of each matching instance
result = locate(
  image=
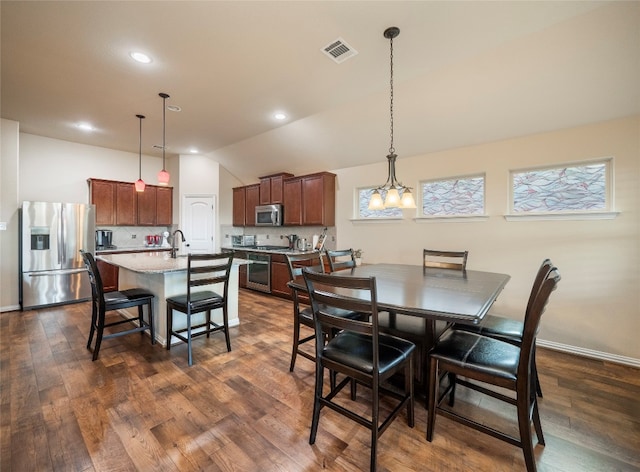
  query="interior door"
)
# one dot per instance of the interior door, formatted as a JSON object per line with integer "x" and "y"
{"x": 198, "y": 222}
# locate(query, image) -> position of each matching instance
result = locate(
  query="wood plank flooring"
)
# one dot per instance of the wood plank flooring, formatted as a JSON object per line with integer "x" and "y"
{"x": 140, "y": 407}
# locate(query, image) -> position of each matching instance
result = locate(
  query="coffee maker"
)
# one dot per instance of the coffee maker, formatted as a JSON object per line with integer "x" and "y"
{"x": 104, "y": 239}
{"x": 292, "y": 240}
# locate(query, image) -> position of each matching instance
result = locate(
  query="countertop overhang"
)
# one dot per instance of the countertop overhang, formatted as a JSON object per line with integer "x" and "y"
{"x": 152, "y": 262}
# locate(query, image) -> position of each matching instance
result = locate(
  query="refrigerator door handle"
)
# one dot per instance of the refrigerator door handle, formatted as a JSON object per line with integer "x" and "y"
{"x": 48, "y": 273}
{"x": 61, "y": 243}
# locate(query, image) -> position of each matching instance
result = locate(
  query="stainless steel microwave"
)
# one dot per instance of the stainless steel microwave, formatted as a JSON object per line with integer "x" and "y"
{"x": 269, "y": 215}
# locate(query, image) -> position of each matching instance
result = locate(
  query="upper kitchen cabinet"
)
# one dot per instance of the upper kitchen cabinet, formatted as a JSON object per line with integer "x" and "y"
{"x": 310, "y": 200}
{"x": 251, "y": 202}
{"x": 118, "y": 204}
{"x": 271, "y": 188}
{"x": 239, "y": 206}
{"x": 103, "y": 196}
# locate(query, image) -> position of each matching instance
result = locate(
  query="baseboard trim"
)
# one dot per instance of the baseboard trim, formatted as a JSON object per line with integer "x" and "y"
{"x": 10, "y": 308}
{"x": 580, "y": 351}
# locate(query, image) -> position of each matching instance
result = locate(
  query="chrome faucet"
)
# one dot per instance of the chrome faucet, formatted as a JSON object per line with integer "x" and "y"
{"x": 174, "y": 249}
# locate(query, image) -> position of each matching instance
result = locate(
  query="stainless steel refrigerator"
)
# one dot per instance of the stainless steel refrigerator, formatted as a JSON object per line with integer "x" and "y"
{"x": 51, "y": 268}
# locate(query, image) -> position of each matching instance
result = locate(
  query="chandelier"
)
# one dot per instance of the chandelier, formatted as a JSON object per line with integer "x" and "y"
{"x": 397, "y": 195}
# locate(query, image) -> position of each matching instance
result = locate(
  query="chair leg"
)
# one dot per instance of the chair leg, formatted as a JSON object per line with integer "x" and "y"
{"x": 316, "y": 402}
{"x": 94, "y": 316}
{"x": 374, "y": 426}
{"x": 151, "y": 329}
{"x": 536, "y": 423}
{"x": 452, "y": 393}
{"x": 208, "y": 323}
{"x": 535, "y": 373}
{"x": 524, "y": 425}
{"x": 169, "y": 326}
{"x": 433, "y": 391}
{"x": 99, "y": 333}
{"x": 296, "y": 340}
{"x": 225, "y": 322}
{"x": 190, "y": 357}
{"x": 408, "y": 388}
{"x": 140, "y": 319}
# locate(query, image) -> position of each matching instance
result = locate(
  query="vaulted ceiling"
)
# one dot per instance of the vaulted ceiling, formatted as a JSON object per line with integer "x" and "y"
{"x": 464, "y": 73}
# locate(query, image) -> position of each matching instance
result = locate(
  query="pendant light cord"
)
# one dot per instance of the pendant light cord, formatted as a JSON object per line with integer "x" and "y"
{"x": 391, "y": 148}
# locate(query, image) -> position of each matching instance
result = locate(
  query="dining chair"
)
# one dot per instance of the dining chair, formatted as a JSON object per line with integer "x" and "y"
{"x": 102, "y": 302}
{"x": 508, "y": 329}
{"x": 203, "y": 272}
{"x": 341, "y": 259}
{"x": 358, "y": 351}
{"x": 302, "y": 312}
{"x": 486, "y": 362}
{"x": 420, "y": 331}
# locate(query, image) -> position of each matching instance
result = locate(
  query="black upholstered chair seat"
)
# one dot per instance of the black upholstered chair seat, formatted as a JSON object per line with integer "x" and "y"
{"x": 356, "y": 351}
{"x": 200, "y": 301}
{"x": 479, "y": 353}
{"x": 134, "y": 295}
{"x": 498, "y": 327}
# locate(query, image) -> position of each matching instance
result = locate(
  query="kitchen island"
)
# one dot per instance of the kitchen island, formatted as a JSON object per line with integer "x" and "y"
{"x": 166, "y": 277}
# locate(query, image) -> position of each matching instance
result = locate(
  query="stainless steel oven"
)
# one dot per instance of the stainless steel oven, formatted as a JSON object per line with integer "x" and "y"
{"x": 259, "y": 271}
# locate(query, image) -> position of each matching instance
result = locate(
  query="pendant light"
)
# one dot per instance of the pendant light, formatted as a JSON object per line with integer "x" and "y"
{"x": 140, "y": 183}
{"x": 163, "y": 175}
{"x": 397, "y": 195}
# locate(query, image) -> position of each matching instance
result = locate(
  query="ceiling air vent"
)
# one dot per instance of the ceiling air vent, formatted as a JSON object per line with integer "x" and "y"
{"x": 339, "y": 51}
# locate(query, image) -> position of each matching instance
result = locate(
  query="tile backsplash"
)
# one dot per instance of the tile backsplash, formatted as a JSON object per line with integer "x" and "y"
{"x": 275, "y": 236}
{"x": 133, "y": 236}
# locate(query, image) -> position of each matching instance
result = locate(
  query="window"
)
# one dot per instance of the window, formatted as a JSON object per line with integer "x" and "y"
{"x": 462, "y": 196}
{"x": 577, "y": 188}
{"x": 364, "y": 195}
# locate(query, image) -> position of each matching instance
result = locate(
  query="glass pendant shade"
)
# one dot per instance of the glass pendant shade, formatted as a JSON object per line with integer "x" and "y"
{"x": 407, "y": 200}
{"x": 376, "y": 202}
{"x": 163, "y": 175}
{"x": 140, "y": 185}
{"x": 392, "y": 200}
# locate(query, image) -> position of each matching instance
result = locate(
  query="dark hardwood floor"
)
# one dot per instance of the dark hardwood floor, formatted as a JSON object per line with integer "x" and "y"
{"x": 140, "y": 407}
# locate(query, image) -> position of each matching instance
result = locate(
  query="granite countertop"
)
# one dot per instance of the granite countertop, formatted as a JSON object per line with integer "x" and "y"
{"x": 152, "y": 262}
{"x": 270, "y": 250}
{"x": 133, "y": 249}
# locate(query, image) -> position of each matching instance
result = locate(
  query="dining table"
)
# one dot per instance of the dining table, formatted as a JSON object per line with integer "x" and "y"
{"x": 434, "y": 294}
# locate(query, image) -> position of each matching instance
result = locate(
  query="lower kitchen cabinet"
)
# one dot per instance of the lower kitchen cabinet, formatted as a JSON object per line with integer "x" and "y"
{"x": 109, "y": 275}
{"x": 280, "y": 276}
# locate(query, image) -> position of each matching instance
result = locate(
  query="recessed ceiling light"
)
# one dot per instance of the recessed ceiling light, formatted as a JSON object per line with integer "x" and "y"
{"x": 280, "y": 116}
{"x": 173, "y": 108}
{"x": 140, "y": 57}
{"x": 193, "y": 151}
{"x": 85, "y": 126}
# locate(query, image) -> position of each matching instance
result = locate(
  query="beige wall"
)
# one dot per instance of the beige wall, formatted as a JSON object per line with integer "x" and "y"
{"x": 596, "y": 309}
{"x": 8, "y": 204}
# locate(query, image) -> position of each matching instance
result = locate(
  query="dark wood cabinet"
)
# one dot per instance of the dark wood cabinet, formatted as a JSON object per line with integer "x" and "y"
{"x": 109, "y": 275}
{"x": 164, "y": 206}
{"x": 292, "y": 201}
{"x": 147, "y": 206}
{"x": 271, "y": 188}
{"x": 280, "y": 276}
{"x": 103, "y": 197}
{"x": 319, "y": 199}
{"x": 242, "y": 269}
{"x": 239, "y": 206}
{"x": 251, "y": 202}
{"x": 126, "y": 204}
{"x": 118, "y": 204}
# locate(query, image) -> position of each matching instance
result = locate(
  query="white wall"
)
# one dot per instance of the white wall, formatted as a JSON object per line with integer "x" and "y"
{"x": 597, "y": 305}
{"x": 9, "y": 133}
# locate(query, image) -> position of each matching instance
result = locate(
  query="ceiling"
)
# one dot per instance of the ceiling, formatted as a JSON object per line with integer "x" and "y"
{"x": 464, "y": 73}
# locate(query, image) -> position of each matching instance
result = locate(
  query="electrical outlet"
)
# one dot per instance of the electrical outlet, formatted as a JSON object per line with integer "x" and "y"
{"x": 133, "y": 236}
{"x": 3, "y": 225}
{"x": 333, "y": 239}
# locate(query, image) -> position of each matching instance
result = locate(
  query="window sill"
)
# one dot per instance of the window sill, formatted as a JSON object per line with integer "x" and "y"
{"x": 451, "y": 219}
{"x": 375, "y": 220}
{"x": 603, "y": 215}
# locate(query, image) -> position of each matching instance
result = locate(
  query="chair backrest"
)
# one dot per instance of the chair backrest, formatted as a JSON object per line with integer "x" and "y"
{"x": 341, "y": 259}
{"x": 541, "y": 276}
{"x": 297, "y": 262}
{"x": 328, "y": 292}
{"x": 455, "y": 260}
{"x": 97, "y": 289}
{"x": 532, "y": 318}
{"x": 208, "y": 269}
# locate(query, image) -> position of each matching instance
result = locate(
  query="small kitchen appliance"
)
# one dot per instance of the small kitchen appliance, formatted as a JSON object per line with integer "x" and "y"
{"x": 104, "y": 238}
{"x": 243, "y": 240}
{"x": 269, "y": 215}
{"x": 292, "y": 240}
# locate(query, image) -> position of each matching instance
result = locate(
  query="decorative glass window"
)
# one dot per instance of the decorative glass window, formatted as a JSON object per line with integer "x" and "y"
{"x": 576, "y": 188}
{"x": 364, "y": 195}
{"x": 462, "y": 196}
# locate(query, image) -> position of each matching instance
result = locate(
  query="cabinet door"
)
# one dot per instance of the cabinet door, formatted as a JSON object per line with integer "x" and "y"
{"x": 279, "y": 279}
{"x": 109, "y": 275}
{"x": 292, "y": 201}
{"x": 239, "y": 206}
{"x": 265, "y": 191}
{"x": 252, "y": 200}
{"x": 147, "y": 206}
{"x": 164, "y": 206}
{"x": 277, "y": 189}
{"x": 103, "y": 197}
{"x": 318, "y": 200}
{"x": 126, "y": 204}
